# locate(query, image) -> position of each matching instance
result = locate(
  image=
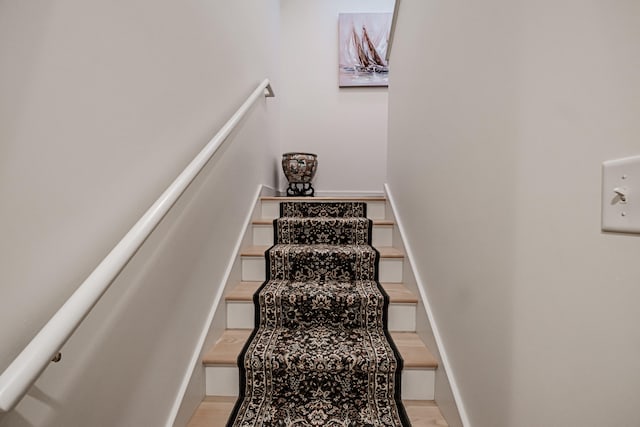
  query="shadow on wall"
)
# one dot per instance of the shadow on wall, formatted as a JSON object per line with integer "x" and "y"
{"x": 149, "y": 321}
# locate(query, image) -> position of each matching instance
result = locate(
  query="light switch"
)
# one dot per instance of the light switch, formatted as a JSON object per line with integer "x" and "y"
{"x": 621, "y": 195}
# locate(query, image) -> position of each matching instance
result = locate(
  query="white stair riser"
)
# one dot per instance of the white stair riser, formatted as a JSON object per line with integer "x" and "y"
{"x": 253, "y": 269}
{"x": 390, "y": 270}
{"x": 240, "y": 315}
{"x": 375, "y": 210}
{"x": 402, "y": 317}
{"x": 417, "y": 384}
{"x": 382, "y": 235}
{"x": 222, "y": 381}
{"x": 270, "y": 209}
{"x": 262, "y": 234}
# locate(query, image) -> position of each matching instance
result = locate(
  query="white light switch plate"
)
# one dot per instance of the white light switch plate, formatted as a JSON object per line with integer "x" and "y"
{"x": 621, "y": 195}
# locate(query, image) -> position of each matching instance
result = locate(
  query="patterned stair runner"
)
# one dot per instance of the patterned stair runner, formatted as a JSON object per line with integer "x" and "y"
{"x": 321, "y": 354}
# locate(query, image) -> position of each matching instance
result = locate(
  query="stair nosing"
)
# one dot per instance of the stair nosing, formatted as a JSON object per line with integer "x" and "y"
{"x": 257, "y": 251}
{"x": 393, "y": 298}
{"x": 212, "y": 360}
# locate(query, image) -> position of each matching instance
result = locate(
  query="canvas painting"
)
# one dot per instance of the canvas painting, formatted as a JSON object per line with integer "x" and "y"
{"x": 363, "y": 39}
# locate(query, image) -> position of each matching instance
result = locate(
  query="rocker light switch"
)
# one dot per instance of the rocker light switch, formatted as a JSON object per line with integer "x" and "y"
{"x": 621, "y": 195}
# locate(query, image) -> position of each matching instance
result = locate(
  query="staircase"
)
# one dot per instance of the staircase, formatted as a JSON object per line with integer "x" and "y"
{"x": 222, "y": 377}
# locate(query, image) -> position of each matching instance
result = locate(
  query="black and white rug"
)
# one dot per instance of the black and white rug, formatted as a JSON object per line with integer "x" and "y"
{"x": 320, "y": 354}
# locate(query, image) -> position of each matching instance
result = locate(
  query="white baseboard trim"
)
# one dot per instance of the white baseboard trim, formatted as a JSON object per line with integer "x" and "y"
{"x": 425, "y": 300}
{"x": 196, "y": 357}
{"x": 341, "y": 193}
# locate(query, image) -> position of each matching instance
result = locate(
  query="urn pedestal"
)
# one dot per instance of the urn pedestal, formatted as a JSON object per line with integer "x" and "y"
{"x": 299, "y": 168}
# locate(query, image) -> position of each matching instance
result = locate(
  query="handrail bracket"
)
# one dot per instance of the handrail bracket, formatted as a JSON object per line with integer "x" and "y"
{"x": 268, "y": 91}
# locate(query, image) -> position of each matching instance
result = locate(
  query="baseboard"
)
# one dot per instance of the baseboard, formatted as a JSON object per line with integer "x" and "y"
{"x": 340, "y": 193}
{"x": 425, "y": 300}
{"x": 176, "y": 415}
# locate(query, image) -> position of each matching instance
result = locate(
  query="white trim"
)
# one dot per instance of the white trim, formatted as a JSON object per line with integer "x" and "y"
{"x": 338, "y": 193}
{"x": 341, "y": 193}
{"x": 425, "y": 300}
{"x": 392, "y": 31}
{"x": 196, "y": 358}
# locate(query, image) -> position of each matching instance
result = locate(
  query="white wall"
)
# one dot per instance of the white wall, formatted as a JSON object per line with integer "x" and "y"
{"x": 346, "y": 127}
{"x": 103, "y": 104}
{"x": 500, "y": 115}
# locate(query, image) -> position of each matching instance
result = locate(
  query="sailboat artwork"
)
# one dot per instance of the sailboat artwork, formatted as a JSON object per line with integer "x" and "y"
{"x": 364, "y": 38}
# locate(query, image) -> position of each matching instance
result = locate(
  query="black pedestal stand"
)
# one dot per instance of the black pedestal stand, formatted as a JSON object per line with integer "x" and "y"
{"x": 297, "y": 189}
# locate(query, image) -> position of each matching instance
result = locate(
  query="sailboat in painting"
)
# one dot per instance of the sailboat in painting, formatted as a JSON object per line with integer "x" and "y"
{"x": 369, "y": 58}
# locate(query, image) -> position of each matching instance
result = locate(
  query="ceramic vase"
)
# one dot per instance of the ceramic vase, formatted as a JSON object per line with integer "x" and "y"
{"x": 299, "y": 168}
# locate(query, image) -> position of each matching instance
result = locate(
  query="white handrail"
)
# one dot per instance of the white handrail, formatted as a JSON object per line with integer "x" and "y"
{"x": 32, "y": 361}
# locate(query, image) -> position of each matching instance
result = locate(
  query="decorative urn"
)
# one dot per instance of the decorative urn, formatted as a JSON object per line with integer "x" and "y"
{"x": 299, "y": 168}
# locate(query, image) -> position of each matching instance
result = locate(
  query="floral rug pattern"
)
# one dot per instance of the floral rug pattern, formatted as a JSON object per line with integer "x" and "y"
{"x": 320, "y": 354}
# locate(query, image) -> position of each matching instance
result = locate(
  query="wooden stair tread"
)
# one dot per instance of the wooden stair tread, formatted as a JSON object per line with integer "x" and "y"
{"x": 389, "y": 252}
{"x": 326, "y": 198}
{"x": 424, "y": 413}
{"x": 226, "y": 350}
{"x": 398, "y": 293}
{"x": 243, "y": 291}
{"x": 259, "y": 250}
{"x": 414, "y": 353}
{"x": 269, "y": 221}
{"x": 215, "y": 410}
